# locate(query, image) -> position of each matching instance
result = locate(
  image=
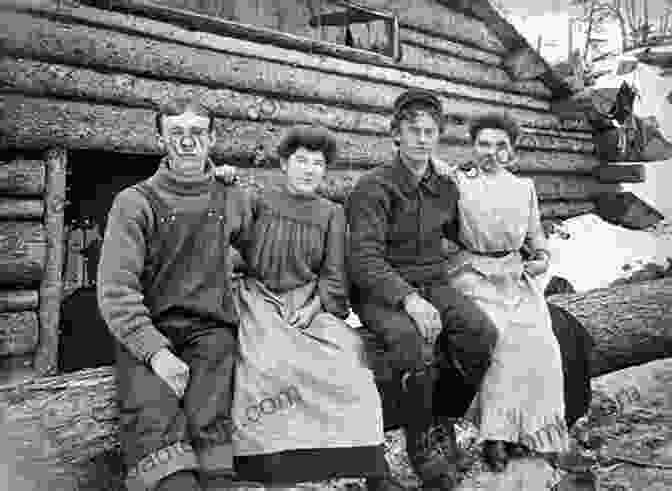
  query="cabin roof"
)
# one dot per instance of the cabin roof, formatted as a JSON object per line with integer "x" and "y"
{"x": 516, "y": 44}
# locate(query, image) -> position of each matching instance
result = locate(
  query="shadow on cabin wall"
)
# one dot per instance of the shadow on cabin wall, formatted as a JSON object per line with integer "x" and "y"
{"x": 94, "y": 180}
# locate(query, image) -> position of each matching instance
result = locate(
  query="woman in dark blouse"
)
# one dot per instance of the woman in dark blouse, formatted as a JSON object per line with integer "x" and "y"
{"x": 306, "y": 406}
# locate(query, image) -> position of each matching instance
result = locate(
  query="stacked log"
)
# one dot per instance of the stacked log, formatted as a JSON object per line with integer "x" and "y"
{"x": 22, "y": 258}
{"x": 32, "y": 195}
{"x": 259, "y": 81}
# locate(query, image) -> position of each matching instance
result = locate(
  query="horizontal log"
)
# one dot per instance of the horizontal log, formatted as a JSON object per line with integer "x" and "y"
{"x": 22, "y": 177}
{"x": 18, "y": 300}
{"x": 620, "y": 173}
{"x": 442, "y": 45}
{"x": 631, "y": 324}
{"x": 21, "y": 209}
{"x": 184, "y": 55}
{"x": 36, "y": 78}
{"x": 414, "y": 58}
{"x": 19, "y": 332}
{"x": 565, "y": 209}
{"x": 23, "y": 253}
{"x": 40, "y": 123}
{"x": 524, "y": 64}
{"x": 64, "y": 422}
{"x": 421, "y": 16}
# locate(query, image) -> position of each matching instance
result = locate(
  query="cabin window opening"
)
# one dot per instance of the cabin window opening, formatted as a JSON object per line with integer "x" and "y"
{"x": 356, "y": 26}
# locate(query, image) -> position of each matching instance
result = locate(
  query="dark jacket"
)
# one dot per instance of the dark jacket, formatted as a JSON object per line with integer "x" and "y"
{"x": 397, "y": 227}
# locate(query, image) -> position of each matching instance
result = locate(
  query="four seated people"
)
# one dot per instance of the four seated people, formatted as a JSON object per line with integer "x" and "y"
{"x": 266, "y": 368}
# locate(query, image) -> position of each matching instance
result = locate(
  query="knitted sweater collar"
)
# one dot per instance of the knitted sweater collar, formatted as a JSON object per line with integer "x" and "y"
{"x": 181, "y": 184}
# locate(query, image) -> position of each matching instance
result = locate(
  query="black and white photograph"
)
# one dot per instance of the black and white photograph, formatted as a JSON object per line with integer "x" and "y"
{"x": 335, "y": 245}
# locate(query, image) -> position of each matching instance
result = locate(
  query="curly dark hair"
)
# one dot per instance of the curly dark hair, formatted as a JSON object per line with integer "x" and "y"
{"x": 313, "y": 138}
{"x": 180, "y": 105}
{"x": 501, "y": 121}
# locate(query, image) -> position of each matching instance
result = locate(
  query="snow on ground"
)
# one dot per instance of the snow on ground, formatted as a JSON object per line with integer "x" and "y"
{"x": 597, "y": 253}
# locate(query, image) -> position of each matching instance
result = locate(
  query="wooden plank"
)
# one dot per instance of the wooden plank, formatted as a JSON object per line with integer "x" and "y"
{"x": 620, "y": 173}
{"x": 19, "y": 332}
{"x": 51, "y": 288}
{"x": 184, "y": 55}
{"x": 36, "y": 78}
{"x": 32, "y": 77}
{"x": 40, "y": 123}
{"x": 18, "y": 300}
{"x": 22, "y": 177}
{"x": 23, "y": 253}
{"x": 21, "y": 209}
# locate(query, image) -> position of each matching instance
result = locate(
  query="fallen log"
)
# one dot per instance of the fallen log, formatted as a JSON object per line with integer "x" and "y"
{"x": 68, "y": 423}
{"x": 18, "y": 300}
{"x": 631, "y": 324}
{"x": 21, "y": 209}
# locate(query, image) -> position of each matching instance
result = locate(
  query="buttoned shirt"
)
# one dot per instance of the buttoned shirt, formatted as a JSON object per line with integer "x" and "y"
{"x": 397, "y": 226}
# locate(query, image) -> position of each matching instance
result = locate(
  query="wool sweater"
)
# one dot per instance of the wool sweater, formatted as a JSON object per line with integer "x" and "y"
{"x": 132, "y": 314}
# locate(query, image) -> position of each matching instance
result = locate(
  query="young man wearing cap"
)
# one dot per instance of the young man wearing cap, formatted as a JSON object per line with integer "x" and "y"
{"x": 399, "y": 215}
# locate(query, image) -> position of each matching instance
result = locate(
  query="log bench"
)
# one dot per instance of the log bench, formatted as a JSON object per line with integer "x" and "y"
{"x": 65, "y": 426}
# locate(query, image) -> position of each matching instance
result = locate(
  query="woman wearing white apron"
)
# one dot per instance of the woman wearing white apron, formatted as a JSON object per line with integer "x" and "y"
{"x": 521, "y": 405}
{"x": 306, "y": 407}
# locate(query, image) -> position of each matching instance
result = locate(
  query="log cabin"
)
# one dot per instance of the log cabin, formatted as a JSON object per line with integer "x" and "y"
{"x": 79, "y": 80}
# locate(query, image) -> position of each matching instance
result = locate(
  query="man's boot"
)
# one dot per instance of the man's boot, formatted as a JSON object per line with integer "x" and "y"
{"x": 437, "y": 470}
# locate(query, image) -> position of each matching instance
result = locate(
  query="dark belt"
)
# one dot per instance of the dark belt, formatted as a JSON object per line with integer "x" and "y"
{"x": 494, "y": 254}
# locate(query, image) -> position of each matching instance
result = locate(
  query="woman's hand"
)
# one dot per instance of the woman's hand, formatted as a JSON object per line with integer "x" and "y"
{"x": 303, "y": 316}
{"x": 227, "y": 174}
{"x": 538, "y": 264}
{"x": 172, "y": 370}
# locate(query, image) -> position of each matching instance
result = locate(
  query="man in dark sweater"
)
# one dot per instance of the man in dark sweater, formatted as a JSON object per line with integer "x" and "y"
{"x": 399, "y": 215}
{"x": 164, "y": 290}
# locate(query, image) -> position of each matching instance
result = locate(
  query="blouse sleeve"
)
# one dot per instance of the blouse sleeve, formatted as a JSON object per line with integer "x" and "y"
{"x": 332, "y": 283}
{"x": 535, "y": 236}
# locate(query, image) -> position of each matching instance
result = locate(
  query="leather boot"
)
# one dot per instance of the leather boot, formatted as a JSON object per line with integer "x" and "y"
{"x": 437, "y": 470}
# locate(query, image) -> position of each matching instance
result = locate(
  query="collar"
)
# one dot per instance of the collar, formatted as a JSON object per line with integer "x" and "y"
{"x": 410, "y": 182}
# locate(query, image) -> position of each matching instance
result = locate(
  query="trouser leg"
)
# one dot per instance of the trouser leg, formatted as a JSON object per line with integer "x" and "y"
{"x": 153, "y": 427}
{"x": 464, "y": 349}
{"x": 210, "y": 354}
{"x": 412, "y": 359}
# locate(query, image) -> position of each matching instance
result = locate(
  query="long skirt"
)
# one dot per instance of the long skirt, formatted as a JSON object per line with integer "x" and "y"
{"x": 306, "y": 407}
{"x": 522, "y": 395}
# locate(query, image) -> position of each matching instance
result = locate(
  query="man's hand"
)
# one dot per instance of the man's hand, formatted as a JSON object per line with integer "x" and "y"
{"x": 427, "y": 319}
{"x": 228, "y": 174}
{"x": 171, "y": 370}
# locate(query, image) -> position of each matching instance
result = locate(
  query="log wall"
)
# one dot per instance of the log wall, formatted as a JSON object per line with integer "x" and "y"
{"x": 89, "y": 79}
{"x": 32, "y": 194}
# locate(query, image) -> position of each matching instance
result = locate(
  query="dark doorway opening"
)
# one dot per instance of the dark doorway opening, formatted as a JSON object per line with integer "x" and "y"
{"x": 94, "y": 179}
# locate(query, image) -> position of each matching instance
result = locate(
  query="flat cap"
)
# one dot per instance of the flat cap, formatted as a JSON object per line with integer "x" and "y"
{"x": 417, "y": 96}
